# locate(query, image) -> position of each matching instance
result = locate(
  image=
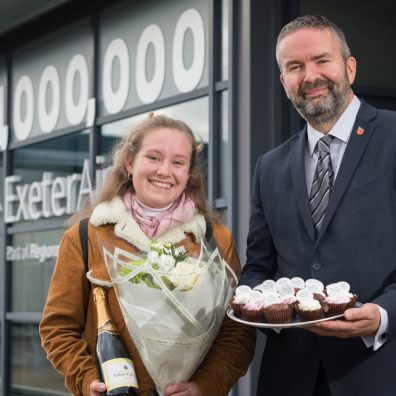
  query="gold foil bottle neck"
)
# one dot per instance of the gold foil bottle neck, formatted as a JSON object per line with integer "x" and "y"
{"x": 103, "y": 317}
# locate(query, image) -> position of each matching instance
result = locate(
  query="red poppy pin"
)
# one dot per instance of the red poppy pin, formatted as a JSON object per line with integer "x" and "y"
{"x": 360, "y": 131}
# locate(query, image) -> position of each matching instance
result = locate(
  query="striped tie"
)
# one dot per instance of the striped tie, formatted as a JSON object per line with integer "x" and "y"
{"x": 322, "y": 183}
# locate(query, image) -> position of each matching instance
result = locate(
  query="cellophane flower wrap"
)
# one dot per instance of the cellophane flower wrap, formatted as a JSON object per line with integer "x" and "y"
{"x": 173, "y": 304}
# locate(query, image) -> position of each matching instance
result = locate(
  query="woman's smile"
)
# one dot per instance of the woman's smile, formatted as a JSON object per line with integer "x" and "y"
{"x": 162, "y": 185}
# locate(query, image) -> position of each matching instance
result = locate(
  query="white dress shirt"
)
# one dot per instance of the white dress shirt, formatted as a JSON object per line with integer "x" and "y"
{"x": 341, "y": 132}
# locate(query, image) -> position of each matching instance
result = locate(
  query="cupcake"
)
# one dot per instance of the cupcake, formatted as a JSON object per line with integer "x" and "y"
{"x": 279, "y": 313}
{"x": 238, "y": 301}
{"x": 338, "y": 304}
{"x": 241, "y": 297}
{"x": 339, "y": 298}
{"x": 292, "y": 301}
{"x": 252, "y": 311}
{"x": 310, "y": 309}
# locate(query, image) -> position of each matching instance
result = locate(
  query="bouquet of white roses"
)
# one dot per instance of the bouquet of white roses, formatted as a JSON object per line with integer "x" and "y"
{"x": 173, "y": 305}
{"x": 171, "y": 263}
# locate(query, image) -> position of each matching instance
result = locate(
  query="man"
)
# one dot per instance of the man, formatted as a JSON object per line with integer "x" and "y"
{"x": 342, "y": 230}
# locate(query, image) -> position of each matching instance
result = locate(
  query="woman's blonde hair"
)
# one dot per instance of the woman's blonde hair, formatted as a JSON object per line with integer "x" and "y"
{"x": 117, "y": 182}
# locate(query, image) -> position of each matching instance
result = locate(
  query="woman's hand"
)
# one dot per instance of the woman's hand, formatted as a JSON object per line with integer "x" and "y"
{"x": 97, "y": 388}
{"x": 183, "y": 389}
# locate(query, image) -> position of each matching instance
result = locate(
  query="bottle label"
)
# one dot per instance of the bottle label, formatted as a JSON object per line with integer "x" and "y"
{"x": 119, "y": 372}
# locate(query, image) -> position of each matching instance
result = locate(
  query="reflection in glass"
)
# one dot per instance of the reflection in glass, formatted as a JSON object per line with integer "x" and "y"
{"x": 224, "y": 150}
{"x": 193, "y": 112}
{"x": 32, "y": 257}
{"x": 61, "y": 157}
{"x": 31, "y": 372}
{"x": 224, "y": 39}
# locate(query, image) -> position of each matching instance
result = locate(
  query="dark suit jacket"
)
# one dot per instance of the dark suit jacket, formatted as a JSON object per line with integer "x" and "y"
{"x": 357, "y": 244}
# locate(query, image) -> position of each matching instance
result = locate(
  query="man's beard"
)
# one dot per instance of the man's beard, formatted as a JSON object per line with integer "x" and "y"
{"x": 326, "y": 109}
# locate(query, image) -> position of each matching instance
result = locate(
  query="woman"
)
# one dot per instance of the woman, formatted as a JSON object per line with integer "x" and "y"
{"x": 155, "y": 187}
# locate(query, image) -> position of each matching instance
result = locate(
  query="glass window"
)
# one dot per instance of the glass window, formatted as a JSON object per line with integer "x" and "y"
{"x": 194, "y": 113}
{"x": 1, "y": 354}
{"x": 225, "y": 177}
{"x": 32, "y": 256}
{"x": 225, "y": 31}
{"x": 49, "y": 179}
{"x": 31, "y": 372}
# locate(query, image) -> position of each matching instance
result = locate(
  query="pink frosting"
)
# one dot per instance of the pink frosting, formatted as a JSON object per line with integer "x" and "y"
{"x": 338, "y": 299}
{"x": 289, "y": 300}
{"x": 254, "y": 304}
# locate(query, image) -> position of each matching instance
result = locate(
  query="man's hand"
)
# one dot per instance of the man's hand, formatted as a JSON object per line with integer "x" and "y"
{"x": 96, "y": 388}
{"x": 357, "y": 322}
{"x": 183, "y": 389}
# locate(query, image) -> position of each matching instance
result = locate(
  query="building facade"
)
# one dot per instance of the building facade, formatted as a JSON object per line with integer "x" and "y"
{"x": 75, "y": 76}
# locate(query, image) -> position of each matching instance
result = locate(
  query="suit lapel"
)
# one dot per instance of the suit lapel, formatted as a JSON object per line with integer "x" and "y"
{"x": 358, "y": 140}
{"x": 297, "y": 167}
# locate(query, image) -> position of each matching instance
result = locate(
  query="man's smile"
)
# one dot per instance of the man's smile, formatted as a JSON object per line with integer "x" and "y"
{"x": 315, "y": 92}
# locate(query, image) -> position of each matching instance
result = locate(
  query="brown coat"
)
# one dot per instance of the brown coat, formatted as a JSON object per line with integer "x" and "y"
{"x": 69, "y": 312}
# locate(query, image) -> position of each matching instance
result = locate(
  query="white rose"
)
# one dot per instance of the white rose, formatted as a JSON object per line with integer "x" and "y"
{"x": 153, "y": 257}
{"x": 183, "y": 267}
{"x": 179, "y": 278}
{"x": 166, "y": 262}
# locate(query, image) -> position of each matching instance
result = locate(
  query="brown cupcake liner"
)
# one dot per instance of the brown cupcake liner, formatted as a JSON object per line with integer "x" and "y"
{"x": 282, "y": 315}
{"x": 252, "y": 315}
{"x": 307, "y": 316}
{"x": 338, "y": 309}
{"x": 295, "y": 306}
{"x": 237, "y": 309}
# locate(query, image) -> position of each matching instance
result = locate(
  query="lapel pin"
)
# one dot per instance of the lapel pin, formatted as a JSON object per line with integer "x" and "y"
{"x": 360, "y": 131}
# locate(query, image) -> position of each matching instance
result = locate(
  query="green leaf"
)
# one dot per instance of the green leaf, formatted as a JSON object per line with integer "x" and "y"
{"x": 167, "y": 282}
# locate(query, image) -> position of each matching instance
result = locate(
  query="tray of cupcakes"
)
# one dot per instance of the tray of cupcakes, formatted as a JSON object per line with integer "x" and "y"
{"x": 291, "y": 303}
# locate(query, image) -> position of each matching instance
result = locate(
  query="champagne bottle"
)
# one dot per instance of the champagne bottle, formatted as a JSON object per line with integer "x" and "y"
{"x": 116, "y": 367}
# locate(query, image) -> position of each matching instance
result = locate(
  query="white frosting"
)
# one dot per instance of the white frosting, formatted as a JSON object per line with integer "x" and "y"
{"x": 269, "y": 286}
{"x": 309, "y": 305}
{"x": 298, "y": 283}
{"x": 242, "y": 290}
{"x": 241, "y": 298}
{"x": 255, "y": 295}
{"x": 314, "y": 285}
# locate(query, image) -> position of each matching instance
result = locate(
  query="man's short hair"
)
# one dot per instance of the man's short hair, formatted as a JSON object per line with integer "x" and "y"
{"x": 314, "y": 22}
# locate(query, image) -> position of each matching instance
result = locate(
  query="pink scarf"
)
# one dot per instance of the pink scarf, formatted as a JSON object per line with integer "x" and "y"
{"x": 181, "y": 211}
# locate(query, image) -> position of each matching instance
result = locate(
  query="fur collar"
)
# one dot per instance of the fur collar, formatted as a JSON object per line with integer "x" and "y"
{"x": 125, "y": 226}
